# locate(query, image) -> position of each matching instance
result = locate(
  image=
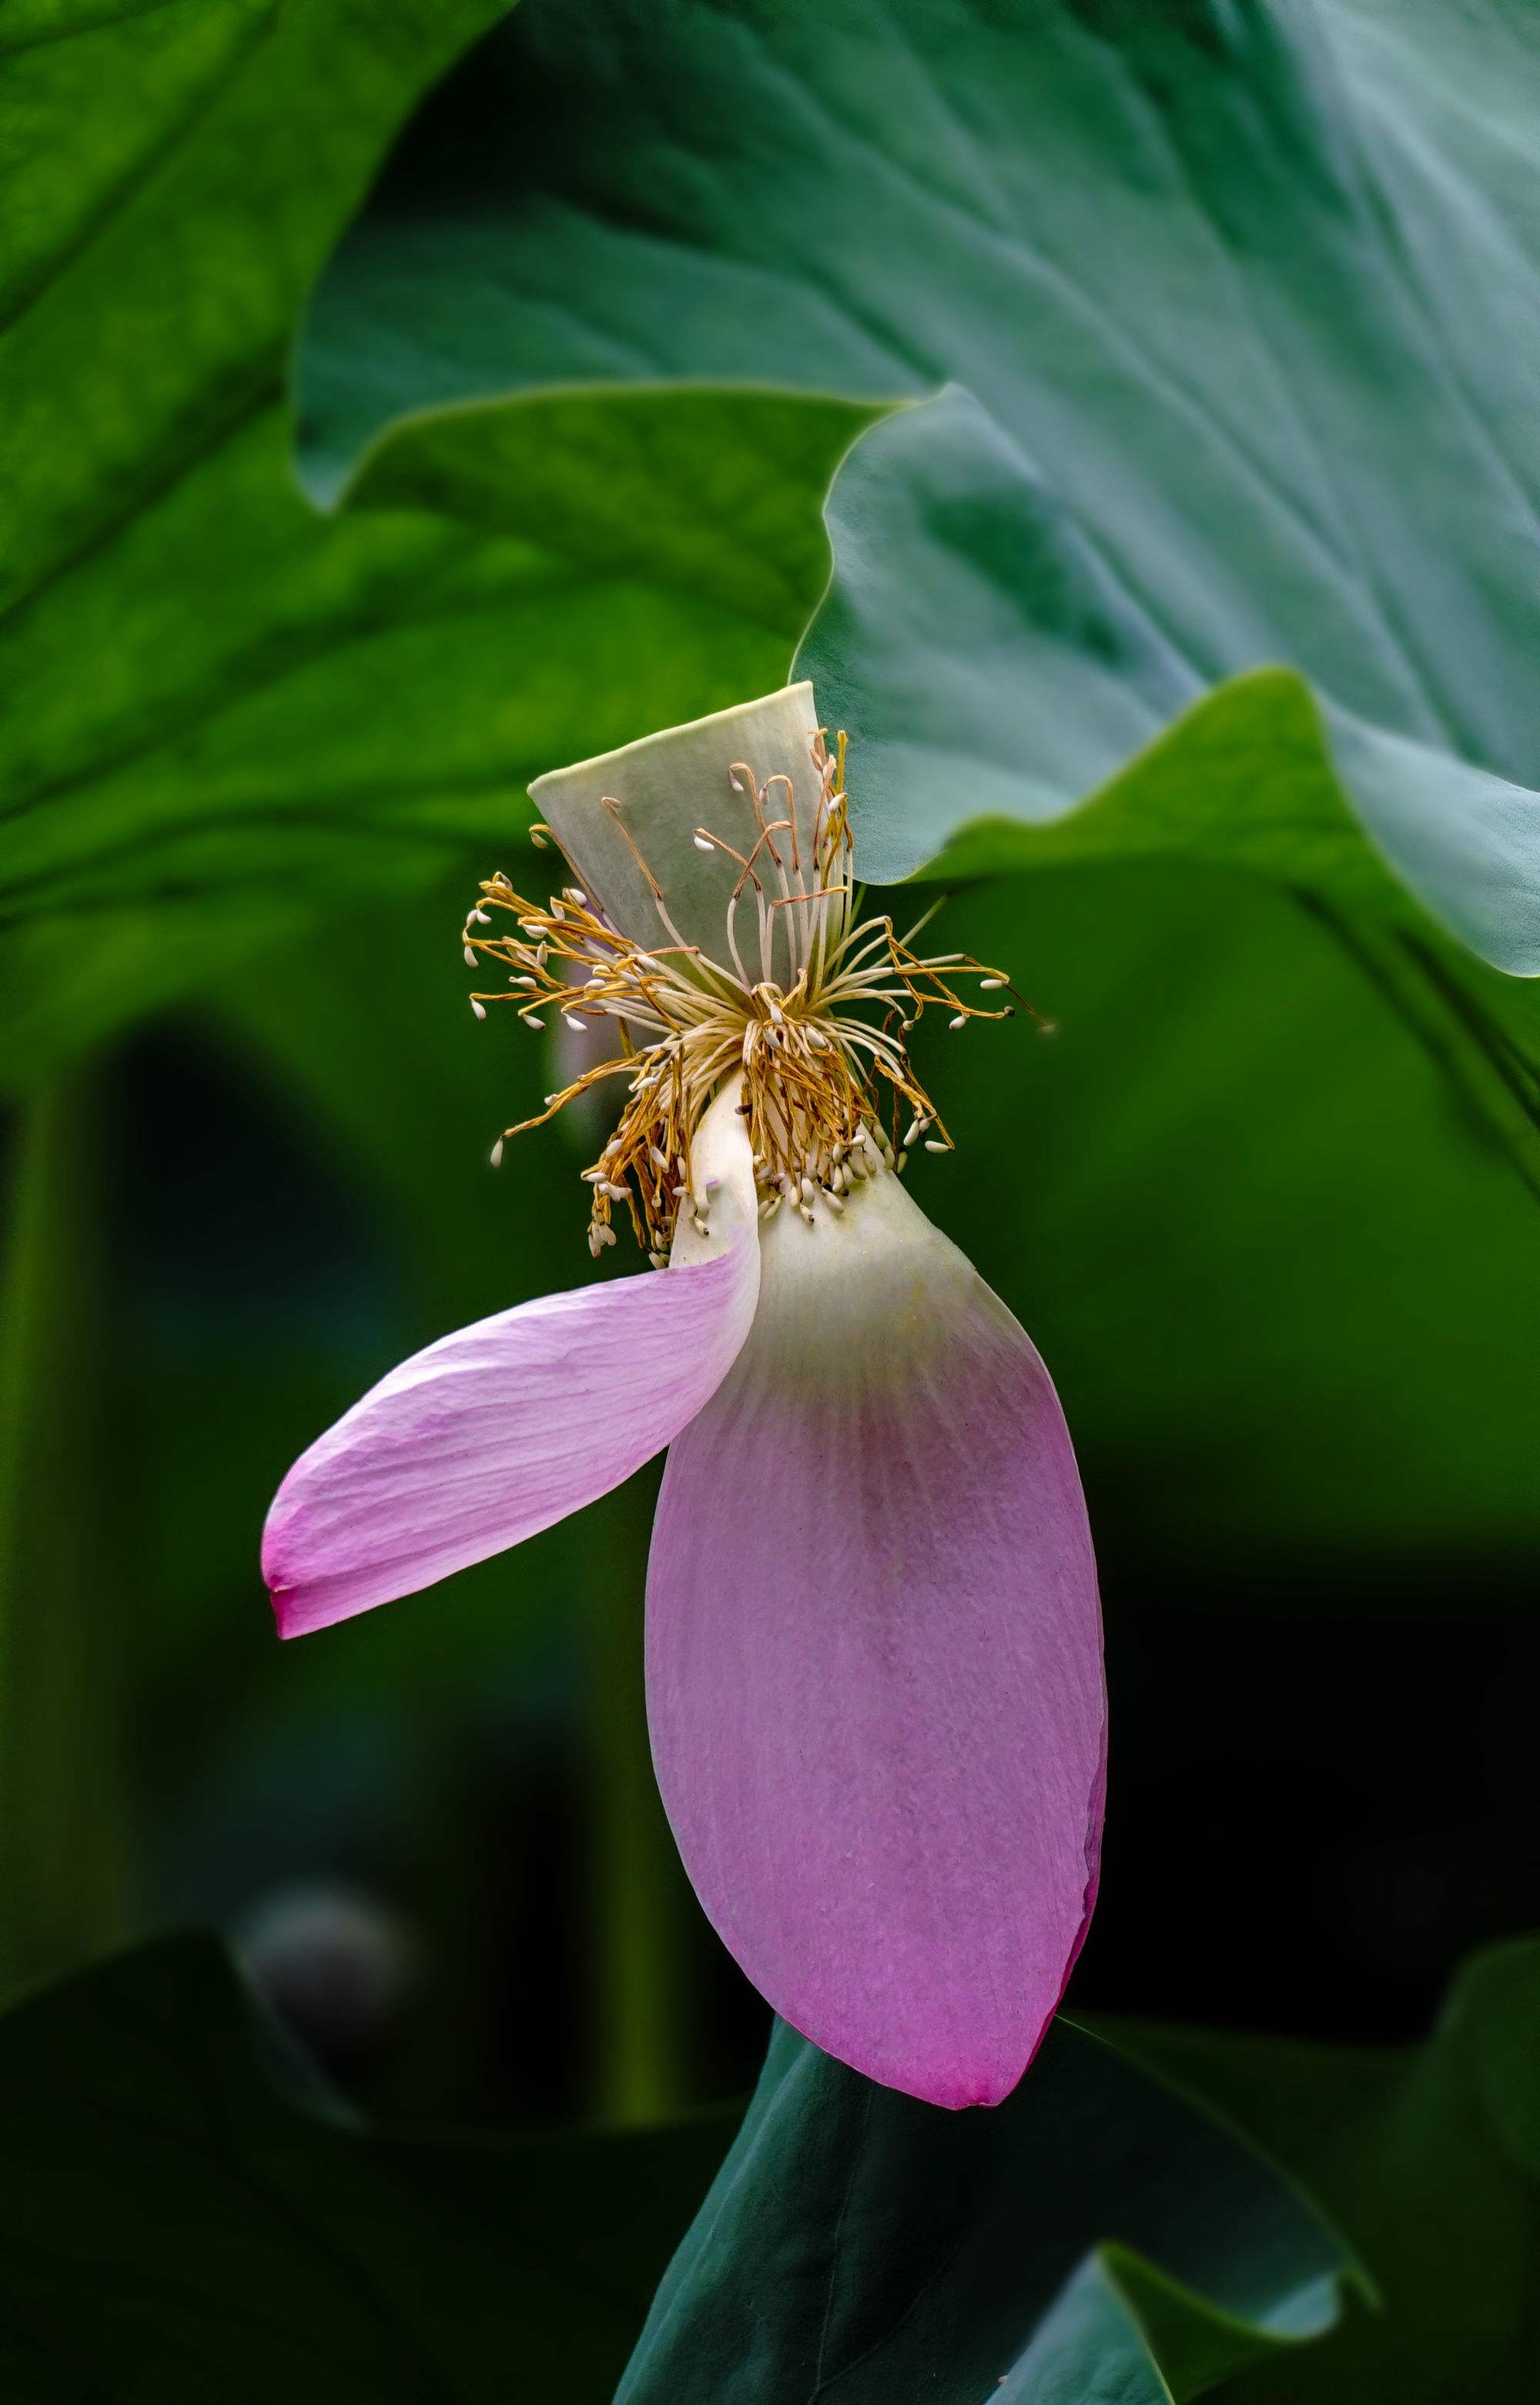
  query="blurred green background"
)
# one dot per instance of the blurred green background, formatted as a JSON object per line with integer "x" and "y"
{"x": 1288, "y": 1289}
{"x": 1265, "y": 1197}
{"x": 1281, "y": 1259}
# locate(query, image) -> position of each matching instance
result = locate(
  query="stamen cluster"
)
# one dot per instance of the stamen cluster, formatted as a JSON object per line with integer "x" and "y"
{"x": 827, "y": 1079}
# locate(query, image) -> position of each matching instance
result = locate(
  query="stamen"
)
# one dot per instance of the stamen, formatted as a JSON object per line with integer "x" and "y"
{"x": 817, "y": 1038}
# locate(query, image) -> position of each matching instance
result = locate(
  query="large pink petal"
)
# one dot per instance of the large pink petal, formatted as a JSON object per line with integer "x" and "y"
{"x": 494, "y": 1433}
{"x": 875, "y": 1658}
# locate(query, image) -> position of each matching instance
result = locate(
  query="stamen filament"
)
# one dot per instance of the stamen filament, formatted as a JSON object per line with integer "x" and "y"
{"x": 818, "y": 1046}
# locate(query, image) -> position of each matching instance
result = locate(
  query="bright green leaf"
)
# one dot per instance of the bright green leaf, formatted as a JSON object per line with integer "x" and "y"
{"x": 228, "y": 712}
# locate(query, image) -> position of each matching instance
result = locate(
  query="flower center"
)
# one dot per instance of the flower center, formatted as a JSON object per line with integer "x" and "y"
{"x": 827, "y": 1079}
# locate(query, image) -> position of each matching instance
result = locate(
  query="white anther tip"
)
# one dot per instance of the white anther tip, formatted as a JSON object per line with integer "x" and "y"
{"x": 479, "y": 1007}
{"x": 469, "y": 957}
{"x": 497, "y": 1154}
{"x": 704, "y": 843}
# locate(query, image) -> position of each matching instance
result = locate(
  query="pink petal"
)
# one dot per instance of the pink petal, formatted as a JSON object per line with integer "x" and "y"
{"x": 875, "y": 1658}
{"x": 492, "y": 1434}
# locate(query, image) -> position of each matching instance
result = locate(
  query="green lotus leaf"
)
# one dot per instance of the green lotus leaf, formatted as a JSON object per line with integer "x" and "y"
{"x": 1429, "y": 2159}
{"x": 190, "y": 2211}
{"x": 1094, "y": 2237}
{"x": 228, "y": 714}
{"x": 1214, "y": 527}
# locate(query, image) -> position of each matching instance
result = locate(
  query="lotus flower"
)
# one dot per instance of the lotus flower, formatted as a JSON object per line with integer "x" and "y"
{"x": 874, "y": 1656}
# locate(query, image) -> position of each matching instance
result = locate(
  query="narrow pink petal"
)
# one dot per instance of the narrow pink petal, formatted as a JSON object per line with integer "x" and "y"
{"x": 875, "y": 1658}
{"x": 494, "y": 1433}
